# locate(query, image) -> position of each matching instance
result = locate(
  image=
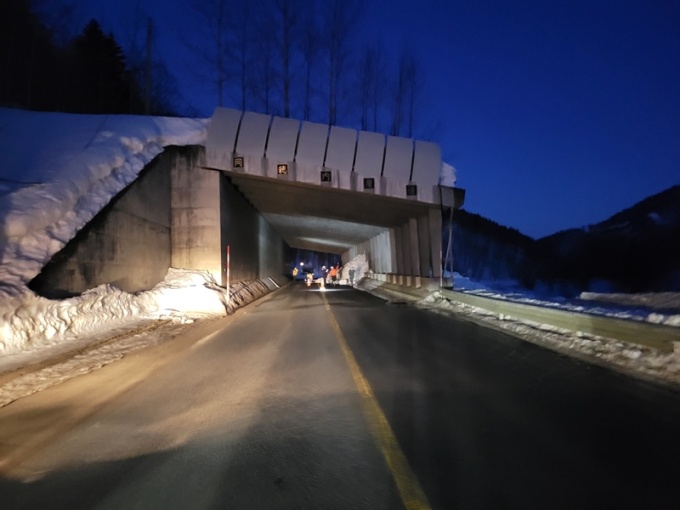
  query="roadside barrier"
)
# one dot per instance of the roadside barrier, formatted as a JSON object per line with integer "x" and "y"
{"x": 648, "y": 334}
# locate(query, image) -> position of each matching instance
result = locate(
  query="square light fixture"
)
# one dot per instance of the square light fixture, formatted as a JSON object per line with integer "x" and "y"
{"x": 238, "y": 161}
{"x": 282, "y": 169}
{"x": 326, "y": 176}
{"x": 369, "y": 183}
{"x": 411, "y": 190}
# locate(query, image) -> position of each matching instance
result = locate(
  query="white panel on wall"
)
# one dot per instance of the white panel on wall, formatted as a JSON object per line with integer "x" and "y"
{"x": 282, "y": 139}
{"x": 370, "y": 151}
{"x": 253, "y": 134}
{"x": 312, "y": 143}
{"x": 221, "y": 137}
{"x": 398, "y": 158}
{"x": 427, "y": 164}
{"x": 341, "y": 146}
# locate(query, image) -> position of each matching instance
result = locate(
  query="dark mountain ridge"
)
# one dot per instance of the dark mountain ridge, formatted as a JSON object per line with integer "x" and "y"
{"x": 636, "y": 250}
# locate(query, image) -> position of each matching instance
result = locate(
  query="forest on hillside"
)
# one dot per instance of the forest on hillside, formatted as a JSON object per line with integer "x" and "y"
{"x": 636, "y": 250}
{"x": 302, "y": 59}
{"x": 87, "y": 74}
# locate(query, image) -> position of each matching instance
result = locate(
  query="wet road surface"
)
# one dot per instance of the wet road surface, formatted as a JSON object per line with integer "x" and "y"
{"x": 341, "y": 400}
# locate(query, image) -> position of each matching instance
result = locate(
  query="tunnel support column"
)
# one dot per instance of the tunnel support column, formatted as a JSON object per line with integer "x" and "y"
{"x": 195, "y": 215}
{"x": 424, "y": 248}
{"x": 435, "y": 238}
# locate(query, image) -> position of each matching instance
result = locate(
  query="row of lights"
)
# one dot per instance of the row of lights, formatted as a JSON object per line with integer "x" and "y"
{"x": 327, "y": 176}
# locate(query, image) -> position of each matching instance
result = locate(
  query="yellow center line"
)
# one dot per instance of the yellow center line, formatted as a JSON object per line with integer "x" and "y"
{"x": 411, "y": 493}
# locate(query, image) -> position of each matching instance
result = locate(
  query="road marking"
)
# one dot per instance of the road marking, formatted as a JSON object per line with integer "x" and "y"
{"x": 206, "y": 339}
{"x": 411, "y": 493}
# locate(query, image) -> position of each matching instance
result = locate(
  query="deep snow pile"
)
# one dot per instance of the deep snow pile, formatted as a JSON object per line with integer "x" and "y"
{"x": 58, "y": 171}
{"x": 30, "y": 322}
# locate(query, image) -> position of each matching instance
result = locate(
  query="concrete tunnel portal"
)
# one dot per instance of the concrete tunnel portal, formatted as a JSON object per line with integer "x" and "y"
{"x": 257, "y": 184}
{"x": 337, "y": 190}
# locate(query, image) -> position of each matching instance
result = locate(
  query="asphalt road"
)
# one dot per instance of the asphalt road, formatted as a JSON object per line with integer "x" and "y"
{"x": 341, "y": 400}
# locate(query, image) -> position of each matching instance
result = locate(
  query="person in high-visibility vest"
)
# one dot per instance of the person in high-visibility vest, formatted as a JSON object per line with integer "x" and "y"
{"x": 333, "y": 273}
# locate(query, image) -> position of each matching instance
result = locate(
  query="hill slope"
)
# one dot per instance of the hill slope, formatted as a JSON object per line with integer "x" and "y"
{"x": 636, "y": 250}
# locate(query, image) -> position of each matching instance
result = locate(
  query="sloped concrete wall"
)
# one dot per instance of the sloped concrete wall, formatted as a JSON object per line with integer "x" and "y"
{"x": 127, "y": 244}
{"x": 176, "y": 214}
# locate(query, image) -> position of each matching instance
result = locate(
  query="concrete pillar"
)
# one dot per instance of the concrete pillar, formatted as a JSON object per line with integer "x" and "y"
{"x": 414, "y": 247}
{"x": 406, "y": 249}
{"x": 397, "y": 248}
{"x": 195, "y": 215}
{"x": 424, "y": 246}
{"x": 389, "y": 256}
{"x": 374, "y": 260}
{"x": 435, "y": 224}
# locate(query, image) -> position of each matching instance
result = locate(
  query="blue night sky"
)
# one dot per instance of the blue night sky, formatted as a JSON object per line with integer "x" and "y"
{"x": 556, "y": 114}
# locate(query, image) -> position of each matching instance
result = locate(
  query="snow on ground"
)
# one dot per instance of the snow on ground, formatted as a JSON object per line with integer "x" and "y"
{"x": 659, "y": 308}
{"x": 59, "y": 170}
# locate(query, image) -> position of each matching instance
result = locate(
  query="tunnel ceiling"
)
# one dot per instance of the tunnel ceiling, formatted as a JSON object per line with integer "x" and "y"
{"x": 322, "y": 219}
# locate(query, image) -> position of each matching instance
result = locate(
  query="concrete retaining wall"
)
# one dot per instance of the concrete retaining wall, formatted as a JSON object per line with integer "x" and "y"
{"x": 127, "y": 244}
{"x": 209, "y": 214}
{"x": 176, "y": 214}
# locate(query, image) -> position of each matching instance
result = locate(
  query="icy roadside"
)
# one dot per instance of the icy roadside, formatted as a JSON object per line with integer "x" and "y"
{"x": 75, "y": 336}
{"x": 659, "y": 308}
{"x": 637, "y": 361}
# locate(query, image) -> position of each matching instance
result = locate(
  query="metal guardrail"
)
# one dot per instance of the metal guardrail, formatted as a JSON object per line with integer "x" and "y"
{"x": 657, "y": 336}
{"x": 648, "y": 334}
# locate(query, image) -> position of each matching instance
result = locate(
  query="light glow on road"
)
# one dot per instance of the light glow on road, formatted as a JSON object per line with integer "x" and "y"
{"x": 412, "y": 495}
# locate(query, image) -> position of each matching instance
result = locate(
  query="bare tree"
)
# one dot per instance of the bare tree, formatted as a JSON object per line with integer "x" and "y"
{"x": 414, "y": 73}
{"x": 371, "y": 85}
{"x": 263, "y": 84}
{"x": 212, "y": 17}
{"x": 310, "y": 44}
{"x": 341, "y": 18}
{"x": 242, "y": 51}
{"x": 286, "y": 14}
{"x": 405, "y": 93}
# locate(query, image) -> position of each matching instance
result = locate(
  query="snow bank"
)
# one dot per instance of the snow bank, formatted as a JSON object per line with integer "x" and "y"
{"x": 30, "y": 322}
{"x": 360, "y": 266}
{"x": 59, "y": 170}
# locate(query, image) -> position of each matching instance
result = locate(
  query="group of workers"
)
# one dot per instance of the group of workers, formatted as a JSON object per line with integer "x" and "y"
{"x": 330, "y": 276}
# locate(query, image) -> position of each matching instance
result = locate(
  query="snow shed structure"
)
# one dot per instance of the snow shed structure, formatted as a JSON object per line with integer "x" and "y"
{"x": 255, "y": 185}
{"x": 337, "y": 190}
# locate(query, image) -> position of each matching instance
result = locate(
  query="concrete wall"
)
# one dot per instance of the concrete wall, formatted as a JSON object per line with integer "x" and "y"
{"x": 196, "y": 239}
{"x": 256, "y": 249}
{"x": 126, "y": 245}
{"x": 176, "y": 214}
{"x": 209, "y": 214}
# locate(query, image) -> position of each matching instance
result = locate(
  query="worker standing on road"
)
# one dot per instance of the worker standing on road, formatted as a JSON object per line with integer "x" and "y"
{"x": 333, "y": 274}
{"x": 351, "y": 277}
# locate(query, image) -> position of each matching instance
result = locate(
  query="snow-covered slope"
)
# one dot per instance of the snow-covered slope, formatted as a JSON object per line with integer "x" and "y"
{"x": 58, "y": 171}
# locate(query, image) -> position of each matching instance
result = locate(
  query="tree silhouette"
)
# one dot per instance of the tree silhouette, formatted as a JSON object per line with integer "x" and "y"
{"x": 104, "y": 82}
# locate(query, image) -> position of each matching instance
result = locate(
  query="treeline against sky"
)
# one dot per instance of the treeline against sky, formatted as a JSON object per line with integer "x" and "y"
{"x": 88, "y": 74}
{"x": 305, "y": 59}
{"x": 634, "y": 251}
